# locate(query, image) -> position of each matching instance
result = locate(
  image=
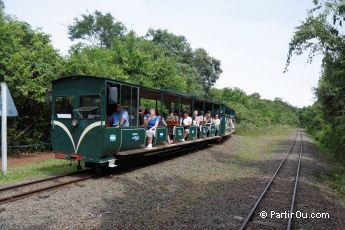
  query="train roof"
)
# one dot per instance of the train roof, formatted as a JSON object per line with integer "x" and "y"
{"x": 147, "y": 90}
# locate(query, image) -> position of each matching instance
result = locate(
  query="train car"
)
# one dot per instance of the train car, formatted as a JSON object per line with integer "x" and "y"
{"x": 82, "y": 104}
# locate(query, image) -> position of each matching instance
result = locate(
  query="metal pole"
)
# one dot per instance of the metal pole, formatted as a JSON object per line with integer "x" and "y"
{"x": 162, "y": 99}
{"x": 4, "y": 128}
{"x": 192, "y": 106}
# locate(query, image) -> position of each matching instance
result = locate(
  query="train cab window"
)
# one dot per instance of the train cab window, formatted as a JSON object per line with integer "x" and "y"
{"x": 64, "y": 106}
{"x": 89, "y": 107}
{"x": 127, "y": 96}
{"x": 129, "y": 102}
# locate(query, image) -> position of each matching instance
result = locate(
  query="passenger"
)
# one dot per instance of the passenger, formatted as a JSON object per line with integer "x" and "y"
{"x": 209, "y": 122}
{"x": 216, "y": 122}
{"x": 197, "y": 120}
{"x": 171, "y": 118}
{"x": 202, "y": 118}
{"x": 161, "y": 118}
{"x": 208, "y": 119}
{"x": 119, "y": 118}
{"x": 162, "y": 122}
{"x": 152, "y": 124}
{"x": 142, "y": 116}
{"x": 186, "y": 122}
{"x": 232, "y": 123}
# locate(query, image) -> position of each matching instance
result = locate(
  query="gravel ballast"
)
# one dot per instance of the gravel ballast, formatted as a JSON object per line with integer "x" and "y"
{"x": 211, "y": 188}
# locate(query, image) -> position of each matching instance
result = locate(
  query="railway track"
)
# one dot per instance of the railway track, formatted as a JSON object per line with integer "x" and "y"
{"x": 19, "y": 191}
{"x": 274, "y": 205}
{"x": 23, "y": 190}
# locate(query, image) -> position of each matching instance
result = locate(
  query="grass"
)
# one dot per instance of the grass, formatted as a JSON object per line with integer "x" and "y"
{"x": 260, "y": 143}
{"x": 334, "y": 178}
{"x": 250, "y": 131}
{"x": 37, "y": 171}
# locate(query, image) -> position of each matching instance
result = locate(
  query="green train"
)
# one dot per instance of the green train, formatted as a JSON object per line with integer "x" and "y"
{"x": 82, "y": 104}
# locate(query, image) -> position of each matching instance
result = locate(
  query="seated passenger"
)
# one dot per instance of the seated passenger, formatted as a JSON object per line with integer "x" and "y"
{"x": 162, "y": 122}
{"x": 119, "y": 118}
{"x": 171, "y": 118}
{"x": 216, "y": 122}
{"x": 161, "y": 119}
{"x": 202, "y": 118}
{"x": 197, "y": 120}
{"x": 208, "y": 119}
{"x": 209, "y": 122}
{"x": 232, "y": 123}
{"x": 186, "y": 121}
{"x": 152, "y": 124}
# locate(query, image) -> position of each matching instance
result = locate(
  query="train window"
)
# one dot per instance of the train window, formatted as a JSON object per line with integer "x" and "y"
{"x": 64, "y": 106}
{"x": 113, "y": 95}
{"x": 126, "y": 101}
{"x": 89, "y": 107}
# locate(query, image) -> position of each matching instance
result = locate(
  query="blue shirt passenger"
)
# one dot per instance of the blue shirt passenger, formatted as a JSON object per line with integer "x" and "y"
{"x": 119, "y": 118}
{"x": 152, "y": 122}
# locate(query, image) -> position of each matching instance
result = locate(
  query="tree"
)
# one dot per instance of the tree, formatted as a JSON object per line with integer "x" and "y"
{"x": 176, "y": 45}
{"x": 2, "y": 9}
{"x": 255, "y": 95}
{"x": 97, "y": 29}
{"x": 28, "y": 64}
{"x": 322, "y": 33}
{"x": 208, "y": 68}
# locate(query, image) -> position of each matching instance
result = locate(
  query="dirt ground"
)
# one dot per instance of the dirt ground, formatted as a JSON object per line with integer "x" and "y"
{"x": 213, "y": 188}
{"x": 20, "y": 159}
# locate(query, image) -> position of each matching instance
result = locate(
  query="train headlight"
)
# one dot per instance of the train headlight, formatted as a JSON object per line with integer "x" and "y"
{"x": 74, "y": 123}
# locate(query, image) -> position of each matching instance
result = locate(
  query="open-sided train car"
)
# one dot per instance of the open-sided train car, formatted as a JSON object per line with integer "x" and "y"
{"x": 81, "y": 104}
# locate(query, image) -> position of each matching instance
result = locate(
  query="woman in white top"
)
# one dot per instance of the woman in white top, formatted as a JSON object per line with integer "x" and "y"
{"x": 208, "y": 119}
{"x": 216, "y": 122}
{"x": 186, "y": 121}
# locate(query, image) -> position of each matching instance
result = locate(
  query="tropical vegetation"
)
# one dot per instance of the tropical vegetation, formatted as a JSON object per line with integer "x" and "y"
{"x": 105, "y": 47}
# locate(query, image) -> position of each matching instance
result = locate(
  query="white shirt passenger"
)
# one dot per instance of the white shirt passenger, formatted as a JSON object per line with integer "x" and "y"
{"x": 186, "y": 121}
{"x": 216, "y": 121}
{"x": 197, "y": 120}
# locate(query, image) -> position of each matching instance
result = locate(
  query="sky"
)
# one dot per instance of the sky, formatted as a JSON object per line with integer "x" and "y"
{"x": 250, "y": 38}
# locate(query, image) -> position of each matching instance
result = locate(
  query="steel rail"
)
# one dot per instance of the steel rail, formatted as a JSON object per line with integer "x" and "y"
{"x": 45, "y": 188}
{"x": 250, "y": 214}
{"x": 295, "y": 186}
{"x": 43, "y": 180}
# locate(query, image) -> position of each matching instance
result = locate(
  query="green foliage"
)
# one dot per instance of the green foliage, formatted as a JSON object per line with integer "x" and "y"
{"x": 336, "y": 179}
{"x": 160, "y": 59}
{"x": 322, "y": 33}
{"x": 207, "y": 67}
{"x": 2, "y": 8}
{"x": 175, "y": 45}
{"x": 28, "y": 63}
{"x": 253, "y": 112}
{"x": 311, "y": 119}
{"x": 97, "y": 28}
